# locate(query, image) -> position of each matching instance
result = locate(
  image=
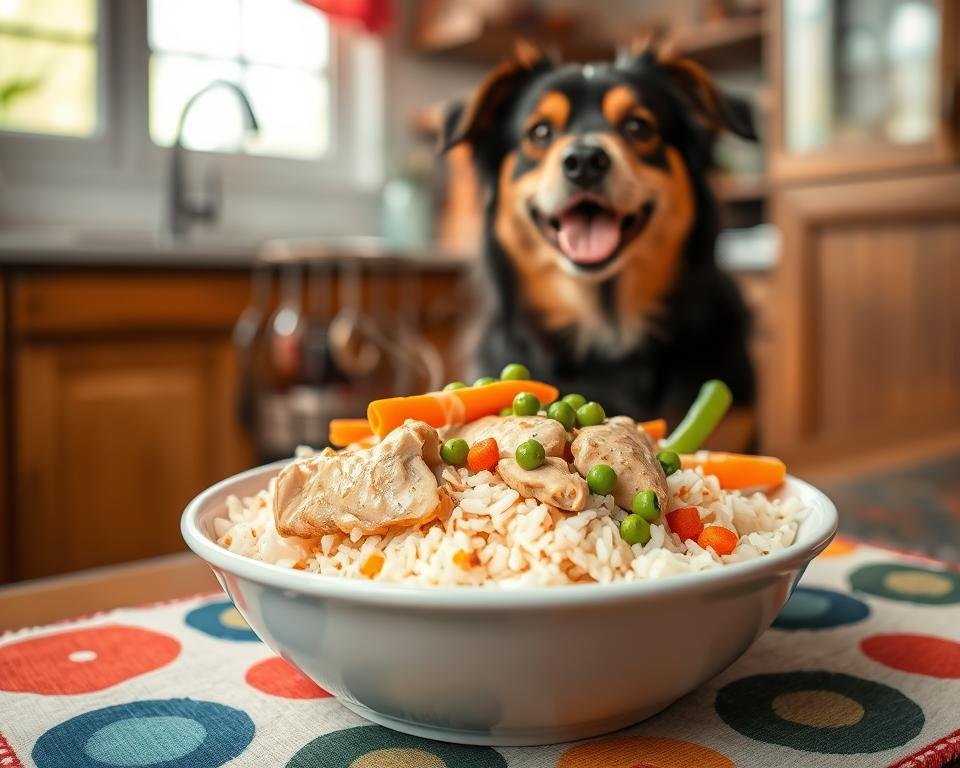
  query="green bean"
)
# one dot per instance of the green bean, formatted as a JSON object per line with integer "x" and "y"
{"x": 706, "y": 412}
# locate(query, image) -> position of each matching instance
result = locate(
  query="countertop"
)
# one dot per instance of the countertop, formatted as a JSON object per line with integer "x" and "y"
{"x": 22, "y": 249}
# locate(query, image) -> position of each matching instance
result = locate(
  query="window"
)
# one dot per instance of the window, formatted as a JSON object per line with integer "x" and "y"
{"x": 48, "y": 67}
{"x": 277, "y": 51}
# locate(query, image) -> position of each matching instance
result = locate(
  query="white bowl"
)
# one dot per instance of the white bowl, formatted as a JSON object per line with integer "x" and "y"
{"x": 505, "y": 667}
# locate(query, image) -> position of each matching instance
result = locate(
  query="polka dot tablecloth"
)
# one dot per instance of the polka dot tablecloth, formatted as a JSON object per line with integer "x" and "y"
{"x": 861, "y": 668}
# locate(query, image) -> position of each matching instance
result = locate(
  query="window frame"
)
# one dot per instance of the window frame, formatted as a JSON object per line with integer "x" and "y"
{"x": 121, "y": 155}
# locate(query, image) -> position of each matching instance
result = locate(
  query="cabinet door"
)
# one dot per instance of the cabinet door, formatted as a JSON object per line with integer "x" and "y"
{"x": 866, "y": 321}
{"x": 114, "y": 438}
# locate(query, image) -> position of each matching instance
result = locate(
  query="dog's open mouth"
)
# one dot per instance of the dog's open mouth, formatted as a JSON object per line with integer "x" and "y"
{"x": 589, "y": 232}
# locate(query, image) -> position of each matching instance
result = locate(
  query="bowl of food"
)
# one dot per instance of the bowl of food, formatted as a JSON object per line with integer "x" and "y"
{"x": 492, "y": 565}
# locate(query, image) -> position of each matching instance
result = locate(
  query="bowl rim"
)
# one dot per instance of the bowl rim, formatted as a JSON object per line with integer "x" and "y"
{"x": 467, "y": 597}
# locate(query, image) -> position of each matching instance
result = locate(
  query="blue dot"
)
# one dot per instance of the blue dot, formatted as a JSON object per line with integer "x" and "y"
{"x": 805, "y": 604}
{"x": 221, "y": 620}
{"x": 141, "y": 741}
{"x": 814, "y": 608}
{"x": 161, "y": 733}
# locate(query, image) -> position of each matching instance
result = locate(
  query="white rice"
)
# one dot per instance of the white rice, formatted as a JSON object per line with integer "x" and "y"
{"x": 494, "y": 537}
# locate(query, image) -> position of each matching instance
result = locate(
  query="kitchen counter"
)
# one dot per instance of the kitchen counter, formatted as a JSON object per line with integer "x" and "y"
{"x": 133, "y": 251}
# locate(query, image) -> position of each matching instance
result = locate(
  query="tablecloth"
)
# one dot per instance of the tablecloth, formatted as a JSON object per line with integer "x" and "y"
{"x": 862, "y": 668}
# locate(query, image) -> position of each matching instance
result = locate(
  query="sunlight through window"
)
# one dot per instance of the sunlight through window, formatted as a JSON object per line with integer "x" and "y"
{"x": 48, "y": 67}
{"x": 276, "y": 50}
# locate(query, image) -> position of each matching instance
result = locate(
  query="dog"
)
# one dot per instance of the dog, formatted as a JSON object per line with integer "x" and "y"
{"x": 600, "y": 228}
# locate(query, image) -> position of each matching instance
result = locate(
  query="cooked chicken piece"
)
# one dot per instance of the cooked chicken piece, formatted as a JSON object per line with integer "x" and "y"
{"x": 552, "y": 483}
{"x": 628, "y": 422}
{"x": 626, "y": 449}
{"x": 510, "y": 431}
{"x": 391, "y": 483}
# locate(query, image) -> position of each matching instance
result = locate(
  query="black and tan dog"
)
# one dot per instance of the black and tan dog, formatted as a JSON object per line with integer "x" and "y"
{"x": 601, "y": 227}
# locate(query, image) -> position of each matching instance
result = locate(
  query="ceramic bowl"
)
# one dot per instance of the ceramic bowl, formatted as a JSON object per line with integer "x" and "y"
{"x": 504, "y": 667}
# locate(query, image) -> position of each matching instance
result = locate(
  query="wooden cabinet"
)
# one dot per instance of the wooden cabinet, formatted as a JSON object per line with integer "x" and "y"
{"x": 124, "y": 404}
{"x": 867, "y": 320}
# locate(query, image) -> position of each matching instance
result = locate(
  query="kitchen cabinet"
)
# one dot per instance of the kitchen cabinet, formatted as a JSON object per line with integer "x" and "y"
{"x": 864, "y": 359}
{"x": 119, "y": 389}
{"x": 124, "y": 409}
{"x": 866, "y": 319}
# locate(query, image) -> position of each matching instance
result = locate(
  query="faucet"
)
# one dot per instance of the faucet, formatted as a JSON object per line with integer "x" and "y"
{"x": 181, "y": 212}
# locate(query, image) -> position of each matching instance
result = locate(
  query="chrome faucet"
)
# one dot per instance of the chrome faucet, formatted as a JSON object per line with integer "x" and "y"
{"x": 180, "y": 211}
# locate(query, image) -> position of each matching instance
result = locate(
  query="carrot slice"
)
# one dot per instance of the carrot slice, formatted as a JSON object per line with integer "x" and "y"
{"x": 737, "y": 470}
{"x": 455, "y": 406}
{"x": 723, "y": 540}
{"x": 346, "y": 431}
{"x": 685, "y": 522}
{"x": 483, "y": 455}
{"x": 657, "y": 429}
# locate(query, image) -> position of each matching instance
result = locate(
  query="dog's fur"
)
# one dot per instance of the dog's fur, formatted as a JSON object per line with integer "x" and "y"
{"x": 641, "y": 330}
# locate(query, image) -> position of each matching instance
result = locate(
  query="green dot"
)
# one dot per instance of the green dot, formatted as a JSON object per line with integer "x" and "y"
{"x": 574, "y": 400}
{"x": 635, "y": 530}
{"x": 670, "y": 462}
{"x": 515, "y": 372}
{"x": 454, "y": 385}
{"x": 562, "y": 412}
{"x": 526, "y": 404}
{"x": 647, "y": 505}
{"x": 590, "y": 414}
{"x": 602, "y": 479}
{"x": 484, "y": 380}
{"x": 530, "y": 454}
{"x": 454, "y": 451}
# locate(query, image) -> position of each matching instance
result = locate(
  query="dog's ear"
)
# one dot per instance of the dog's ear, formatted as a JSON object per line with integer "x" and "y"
{"x": 714, "y": 110}
{"x": 471, "y": 121}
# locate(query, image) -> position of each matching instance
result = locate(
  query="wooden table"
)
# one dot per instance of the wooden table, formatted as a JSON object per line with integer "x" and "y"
{"x": 43, "y": 601}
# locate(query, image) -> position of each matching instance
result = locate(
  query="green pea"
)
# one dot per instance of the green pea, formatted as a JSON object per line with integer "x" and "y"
{"x": 483, "y": 381}
{"x": 526, "y": 404}
{"x": 508, "y": 411}
{"x": 602, "y": 479}
{"x": 530, "y": 454}
{"x": 574, "y": 400}
{"x": 647, "y": 505}
{"x": 454, "y": 385}
{"x": 590, "y": 414}
{"x": 515, "y": 371}
{"x": 562, "y": 412}
{"x": 635, "y": 530}
{"x": 454, "y": 451}
{"x": 669, "y": 461}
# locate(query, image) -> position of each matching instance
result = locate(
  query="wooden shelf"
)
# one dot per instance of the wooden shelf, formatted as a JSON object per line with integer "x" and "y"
{"x": 738, "y": 40}
{"x": 739, "y": 188}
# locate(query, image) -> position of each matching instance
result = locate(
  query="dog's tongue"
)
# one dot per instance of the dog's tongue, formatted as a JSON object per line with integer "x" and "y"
{"x": 588, "y": 239}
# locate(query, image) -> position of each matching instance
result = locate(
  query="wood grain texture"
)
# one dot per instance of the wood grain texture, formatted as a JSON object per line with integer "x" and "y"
{"x": 61, "y": 598}
{"x": 866, "y": 322}
{"x": 80, "y": 301}
{"x": 6, "y": 519}
{"x": 114, "y": 439}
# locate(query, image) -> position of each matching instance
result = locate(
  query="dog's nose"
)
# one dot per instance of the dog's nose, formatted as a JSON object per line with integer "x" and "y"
{"x": 585, "y": 164}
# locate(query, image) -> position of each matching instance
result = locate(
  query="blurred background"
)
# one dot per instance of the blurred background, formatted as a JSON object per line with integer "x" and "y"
{"x": 224, "y": 222}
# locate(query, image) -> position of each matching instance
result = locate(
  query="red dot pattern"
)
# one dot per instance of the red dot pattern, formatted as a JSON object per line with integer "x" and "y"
{"x": 103, "y": 657}
{"x": 917, "y": 654}
{"x": 278, "y": 677}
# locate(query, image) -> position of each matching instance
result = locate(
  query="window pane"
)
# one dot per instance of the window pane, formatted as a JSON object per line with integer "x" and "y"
{"x": 205, "y": 27}
{"x": 285, "y": 32}
{"x": 293, "y": 109}
{"x": 73, "y": 17}
{"x": 215, "y": 121}
{"x": 47, "y": 87}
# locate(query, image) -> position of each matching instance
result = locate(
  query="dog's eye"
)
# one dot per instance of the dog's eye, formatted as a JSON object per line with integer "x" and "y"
{"x": 540, "y": 134}
{"x": 637, "y": 129}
